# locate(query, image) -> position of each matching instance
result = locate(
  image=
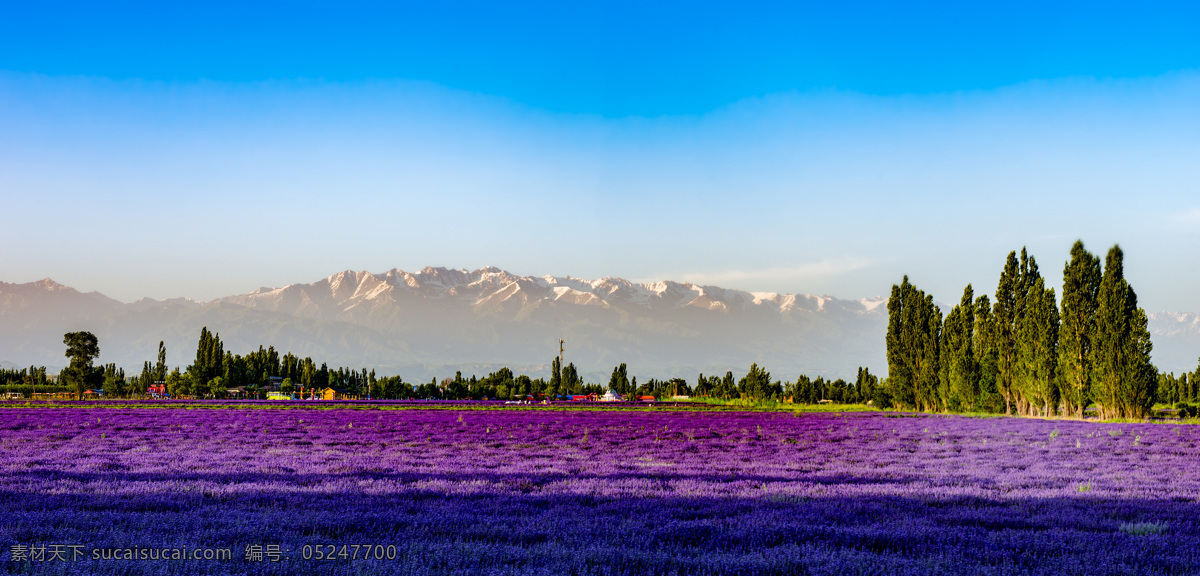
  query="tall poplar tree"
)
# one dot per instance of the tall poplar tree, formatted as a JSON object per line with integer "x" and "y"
{"x": 619, "y": 381}
{"x": 1081, "y": 286}
{"x": 1141, "y": 382}
{"x": 898, "y": 369}
{"x": 160, "y": 368}
{"x": 1005, "y": 316}
{"x": 147, "y": 378}
{"x": 986, "y": 356}
{"x": 1023, "y": 384}
{"x": 1124, "y": 380}
{"x": 1037, "y": 348}
{"x": 210, "y": 358}
{"x": 914, "y": 329}
{"x": 957, "y": 376}
{"x": 556, "y": 381}
{"x": 926, "y": 355}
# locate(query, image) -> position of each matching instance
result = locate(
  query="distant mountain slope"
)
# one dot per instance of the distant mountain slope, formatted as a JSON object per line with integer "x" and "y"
{"x": 437, "y": 320}
{"x": 34, "y": 317}
{"x": 493, "y": 317}
{"x": 1176, "y": 338}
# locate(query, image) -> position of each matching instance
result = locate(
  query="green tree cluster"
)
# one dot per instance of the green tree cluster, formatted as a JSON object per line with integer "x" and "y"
{"x": 1184, "y": 388}
{"x": 25, "y": 382}
{"x": 662, "y": 389}
{"x": 114, "y": 382}
{"x": 210, "y": 358}
{"x": 723, "y": 387}
{"x": 619, "y": 381}
{"x": 758, "y": 385}
{"x": 1023, "y": 353}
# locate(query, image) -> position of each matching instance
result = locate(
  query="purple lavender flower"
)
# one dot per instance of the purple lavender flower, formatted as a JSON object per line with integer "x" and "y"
{"x": 545, "y": 491}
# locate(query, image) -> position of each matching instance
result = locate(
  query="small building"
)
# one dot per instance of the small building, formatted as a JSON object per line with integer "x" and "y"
{"x": 647, "y": 399}
{"x": 611, "y": 396}
{"x": 279, "y": 396}
{"x": 331, "y": 393}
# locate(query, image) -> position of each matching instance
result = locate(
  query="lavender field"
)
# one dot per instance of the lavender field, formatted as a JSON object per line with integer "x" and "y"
{"x": 545, "y": 491}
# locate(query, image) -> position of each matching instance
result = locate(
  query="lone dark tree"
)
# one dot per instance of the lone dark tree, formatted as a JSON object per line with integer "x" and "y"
{"x": 82, "y": 349}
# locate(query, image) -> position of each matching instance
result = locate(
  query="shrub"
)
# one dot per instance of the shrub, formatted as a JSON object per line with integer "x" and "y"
{"x": 1143, "y": 528}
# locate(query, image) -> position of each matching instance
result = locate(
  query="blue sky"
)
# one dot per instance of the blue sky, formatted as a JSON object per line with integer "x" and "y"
{"x": 205, "y": 149}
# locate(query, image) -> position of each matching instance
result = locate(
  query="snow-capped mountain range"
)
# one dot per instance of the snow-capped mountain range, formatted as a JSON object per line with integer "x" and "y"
{"x": 435, "y": 321}
{"x": 368, "y": 299}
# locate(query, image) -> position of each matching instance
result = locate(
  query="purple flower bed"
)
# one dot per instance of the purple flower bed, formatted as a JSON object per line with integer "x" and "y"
{"x": 598, "y": 492}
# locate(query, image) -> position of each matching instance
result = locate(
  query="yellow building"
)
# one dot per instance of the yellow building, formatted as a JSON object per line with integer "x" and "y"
{"x": 330, "y": 393}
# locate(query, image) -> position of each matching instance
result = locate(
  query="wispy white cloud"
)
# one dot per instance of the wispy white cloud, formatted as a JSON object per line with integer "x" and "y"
{"x": 1188, "y": 217}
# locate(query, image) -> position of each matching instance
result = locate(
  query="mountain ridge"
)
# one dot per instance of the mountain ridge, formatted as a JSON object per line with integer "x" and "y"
{"x": 427, "y": 323}
{"x": 493, "y": 285}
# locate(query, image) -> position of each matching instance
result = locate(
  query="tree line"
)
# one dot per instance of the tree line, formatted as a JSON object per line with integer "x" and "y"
{"x": 1025, "y": 352}
{"x": 27, "y": 381}
{"x": 756, "y": 384}
{"x": 215, "y": 371}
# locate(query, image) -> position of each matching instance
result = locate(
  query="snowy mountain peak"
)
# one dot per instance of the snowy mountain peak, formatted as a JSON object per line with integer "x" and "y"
{"x": 870, "y": 304}
{"x": 1171, "y": 323}
{"x": 48, "y": 284}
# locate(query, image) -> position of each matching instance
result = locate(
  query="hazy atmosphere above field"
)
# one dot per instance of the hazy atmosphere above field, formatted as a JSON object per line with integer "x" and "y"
{"x": 207, "y": 149}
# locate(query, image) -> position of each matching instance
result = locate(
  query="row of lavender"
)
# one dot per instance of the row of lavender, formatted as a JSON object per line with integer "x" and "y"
{"x": 597, "y": 492}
